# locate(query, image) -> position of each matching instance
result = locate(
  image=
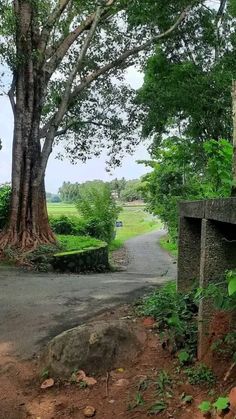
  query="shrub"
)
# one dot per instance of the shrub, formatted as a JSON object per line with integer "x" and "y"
{"x": 68, "y": 225}
{"x": 5, "y": 196}
{"x": 200, "y": 375}
{"x": 99, "y": 211}
{"x": 175, "y": 314}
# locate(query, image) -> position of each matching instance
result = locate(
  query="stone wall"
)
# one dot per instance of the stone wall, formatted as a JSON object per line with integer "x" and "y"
{"x": 92, "y": 259}
{"x": 207, "y": 248}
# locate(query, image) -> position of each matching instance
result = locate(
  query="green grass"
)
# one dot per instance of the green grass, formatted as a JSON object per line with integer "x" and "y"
{"x": 169, "y": 246}
{"x": 73, "y": 243}
{"x": 136, "y": 221}
{"x": 62, "y": 209}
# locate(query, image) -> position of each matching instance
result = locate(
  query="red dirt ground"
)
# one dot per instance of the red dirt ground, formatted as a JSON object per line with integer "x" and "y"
{"x": 21, "y": 396}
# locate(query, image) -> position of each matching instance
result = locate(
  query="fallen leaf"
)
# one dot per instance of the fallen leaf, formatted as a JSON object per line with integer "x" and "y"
{"x": 89, "y": 411}
{"x": 47, "y": 383}
{"x": 90, "y": 381}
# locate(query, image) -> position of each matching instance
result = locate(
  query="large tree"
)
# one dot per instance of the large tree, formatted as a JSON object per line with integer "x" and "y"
{"x": 188, "y": 81}
{"x": 67, "y": 59}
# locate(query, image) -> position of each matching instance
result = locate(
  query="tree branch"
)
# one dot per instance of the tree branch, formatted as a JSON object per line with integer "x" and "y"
{"x": 127, "y": 54}
{"x": 63, "y": 131}
{"x": 49, "y": 138}
{"x": 66, "y": 43}
{"x": 114, "y": 64}
{"x": 221, "y": 8}
{"x": 46, "y": 31}
{"x": 11, "y": 93}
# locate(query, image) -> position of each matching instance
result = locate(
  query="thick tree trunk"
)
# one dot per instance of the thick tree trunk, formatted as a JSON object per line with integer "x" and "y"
{"x": 234, "y": 138}
{"x": 28, "y": 224}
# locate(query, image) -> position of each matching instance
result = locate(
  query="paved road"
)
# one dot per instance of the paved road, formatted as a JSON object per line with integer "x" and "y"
{"x": 36, "y": 307}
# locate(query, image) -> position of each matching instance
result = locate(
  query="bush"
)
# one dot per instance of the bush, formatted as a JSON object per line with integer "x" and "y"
{"x": 68, "y": 225}
{"x": 99, "y": 211}
{"x": 175, "y": 314}
{"x": 5, "y": 197}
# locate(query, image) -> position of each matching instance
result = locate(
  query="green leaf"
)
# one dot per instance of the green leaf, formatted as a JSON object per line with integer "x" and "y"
{"x": 187, "y": 399}
{"x": 183, "y": 356}
{"x": 158, "y": 407}
{"x": 205, "y": 407}
{"x": 232, "y": 286}
{"x": 221, "y": 403}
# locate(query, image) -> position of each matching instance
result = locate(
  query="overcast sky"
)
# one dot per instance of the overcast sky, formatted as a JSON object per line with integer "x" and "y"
{"x": 58, "y": 171}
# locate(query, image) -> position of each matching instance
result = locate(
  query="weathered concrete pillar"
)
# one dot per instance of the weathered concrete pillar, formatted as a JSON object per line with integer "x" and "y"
{"x": 218, "y": 254}
{"x": 189, "y": 253}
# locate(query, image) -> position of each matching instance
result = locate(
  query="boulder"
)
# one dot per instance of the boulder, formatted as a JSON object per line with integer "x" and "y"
{"x": 95, "y": 348}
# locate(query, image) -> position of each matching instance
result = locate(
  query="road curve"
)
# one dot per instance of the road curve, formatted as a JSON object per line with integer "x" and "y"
{"x": 36, "y": 307}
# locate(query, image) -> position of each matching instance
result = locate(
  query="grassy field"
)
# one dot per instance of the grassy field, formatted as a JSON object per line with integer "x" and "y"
{"x": 136, "y": 221}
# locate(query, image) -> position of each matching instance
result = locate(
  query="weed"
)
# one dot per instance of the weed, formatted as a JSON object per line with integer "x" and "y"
{"x": 220, "y": 405}
{"x": 205, "y": 407}
{"x": 143, "y": 384}
{"x": 175, "y": 314}
{"x": 200, "y": 375}
{"x": 158, "y": 407}
{"x": 186, "y": 398}
{"x": 82, "y": 385}
{"x": 163, "y": 382}
{"x": 45, "y": 374}
{"x": 138, "y": 401}
{"x": 184, "y": 357}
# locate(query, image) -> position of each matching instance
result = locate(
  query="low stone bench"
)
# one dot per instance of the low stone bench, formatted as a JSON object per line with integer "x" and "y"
{"x": 207, "y": 248}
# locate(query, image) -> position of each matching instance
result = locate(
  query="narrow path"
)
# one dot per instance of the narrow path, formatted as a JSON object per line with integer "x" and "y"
{"x": 36, "y": 307}
{"x": 147, "y": 257}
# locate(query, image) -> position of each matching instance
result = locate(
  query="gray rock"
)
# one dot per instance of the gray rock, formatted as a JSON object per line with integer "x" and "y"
{"x": 95, "y": 348}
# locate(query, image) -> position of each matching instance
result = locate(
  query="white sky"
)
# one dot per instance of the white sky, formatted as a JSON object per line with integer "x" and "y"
{"x": 59, "y": 171}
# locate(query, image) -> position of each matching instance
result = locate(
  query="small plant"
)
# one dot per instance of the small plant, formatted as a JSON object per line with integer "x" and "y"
{"x": 138, "y": 401}
{"x": 184, "y": 357}
{"x": 186, "y": 398}
{"x": 45, "y": 374}
{"x": 176, "y": 316}
{"x": 205, "y": 407}
{"x": 231, "y": 279}
{"x": 163, "y": 382}
{"x": 143, "y": 384}
{"x": 82, "y": 384}
{"x": 220, "y": 405}
{"x": 200, "y": 375}
{"x": 158, "y": 407}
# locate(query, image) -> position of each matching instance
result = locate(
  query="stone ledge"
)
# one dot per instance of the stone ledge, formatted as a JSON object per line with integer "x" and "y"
{"x": 223, "y": 210}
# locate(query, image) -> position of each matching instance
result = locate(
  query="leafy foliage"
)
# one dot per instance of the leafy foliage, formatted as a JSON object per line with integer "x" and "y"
{"x": 200, "y": 375}
{"x": 199, "y": 63}
{"x": 231, "y": 278}
{"x": 183, "y": 170}
{"x": 5, "y": 197}
{"x": 175, "y": 314}
{"x": 205, "y": 407}
{"x": 68, "y": 225}
{"x": 99, "y": 210}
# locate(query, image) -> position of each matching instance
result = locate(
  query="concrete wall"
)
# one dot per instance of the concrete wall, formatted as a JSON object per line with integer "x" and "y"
{"x": 95, "y": 259}
{"x": 207, "y": 248}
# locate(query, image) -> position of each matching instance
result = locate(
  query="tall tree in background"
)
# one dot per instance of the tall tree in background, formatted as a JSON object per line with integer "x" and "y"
{"x": 187, "y": 87}
{"x": 67, "y": 58}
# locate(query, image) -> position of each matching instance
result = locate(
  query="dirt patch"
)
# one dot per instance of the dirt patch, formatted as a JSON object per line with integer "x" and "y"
{"x": 119, "y": 259}
{"x": 128, "y": 392}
